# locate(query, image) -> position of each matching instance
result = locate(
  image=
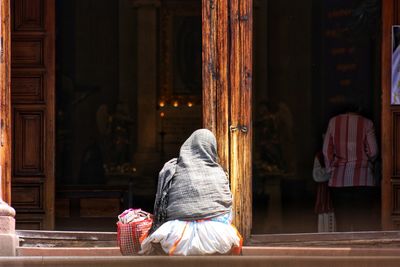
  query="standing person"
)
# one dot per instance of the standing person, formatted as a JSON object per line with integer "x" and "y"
{"x": 193, "y": 206}
{"x": 323, "y": 204}
{"x": 350, "y": 149}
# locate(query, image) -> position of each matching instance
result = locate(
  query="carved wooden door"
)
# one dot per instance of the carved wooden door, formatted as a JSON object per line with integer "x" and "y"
{"x": 32, "y": 105}
{"x": 227, "y": 84}
{"x": 390, "y": 123}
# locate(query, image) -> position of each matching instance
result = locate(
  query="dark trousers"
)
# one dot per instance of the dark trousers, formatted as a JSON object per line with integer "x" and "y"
{"x": 356, "y": 208}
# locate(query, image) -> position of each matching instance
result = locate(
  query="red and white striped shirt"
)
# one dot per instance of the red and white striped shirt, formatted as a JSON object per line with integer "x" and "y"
{"x": 349, "y": 149}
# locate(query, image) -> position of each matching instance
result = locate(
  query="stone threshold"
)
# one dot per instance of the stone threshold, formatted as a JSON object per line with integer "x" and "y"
{"x": 67, "y": 252}
{"x": 316, "y": 251}
{"x": 380, "y": 239}
{"x": 40, "y": 238}
{"x": 247, "y": 251}
{"x": 209, "y": 261}
{"x": 365, "y": 239}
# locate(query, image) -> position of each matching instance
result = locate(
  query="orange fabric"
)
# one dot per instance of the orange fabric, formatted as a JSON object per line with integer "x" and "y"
{"x": 237, "y": 250}
{"x": 172, "y": 250}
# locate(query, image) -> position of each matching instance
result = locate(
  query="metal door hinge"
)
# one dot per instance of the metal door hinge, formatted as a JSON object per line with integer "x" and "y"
{"x": 212, "y": 4}
{"x": 2, "y": 132}
{"x": 241, "y": 128}
{"x": 1, "y": 50}
{"x": 243, "y": 18}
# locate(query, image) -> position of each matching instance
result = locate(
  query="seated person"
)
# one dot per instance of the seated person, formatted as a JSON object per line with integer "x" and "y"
{"x": 193, "y": 206}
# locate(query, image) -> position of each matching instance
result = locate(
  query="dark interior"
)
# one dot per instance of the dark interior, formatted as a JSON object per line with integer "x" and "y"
{"x": 309, "y": 57}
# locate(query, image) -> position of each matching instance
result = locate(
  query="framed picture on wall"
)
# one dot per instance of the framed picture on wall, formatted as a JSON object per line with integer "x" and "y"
{"x": 181, "y": 50}
{"x": 395, "y": 90}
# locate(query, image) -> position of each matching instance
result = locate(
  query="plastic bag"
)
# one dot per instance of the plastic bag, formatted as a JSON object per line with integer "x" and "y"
{"x": 132, "y": 228}
{"x": 194, "y": 238}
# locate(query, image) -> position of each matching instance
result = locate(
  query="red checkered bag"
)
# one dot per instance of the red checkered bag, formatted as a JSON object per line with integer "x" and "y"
{"x": 131, "y": 234}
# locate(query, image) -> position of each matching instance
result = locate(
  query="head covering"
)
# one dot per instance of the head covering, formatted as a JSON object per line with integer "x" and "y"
{"x": 194, "y": 186}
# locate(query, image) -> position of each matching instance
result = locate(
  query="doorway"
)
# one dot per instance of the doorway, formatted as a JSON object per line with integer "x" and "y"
{"x": 30, "y": 54}
{"x": 310, "y": 59}
{"x": 125, "y": 92}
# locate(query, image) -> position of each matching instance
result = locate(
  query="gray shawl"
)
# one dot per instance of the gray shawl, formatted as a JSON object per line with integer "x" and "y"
{"x": 194, "y": 186}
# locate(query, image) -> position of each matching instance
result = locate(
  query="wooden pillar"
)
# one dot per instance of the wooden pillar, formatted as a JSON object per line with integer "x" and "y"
{"x": 215, "y": 74}
{"x": 390, "y": 123}
{"x": 241, "y": 15}
{"x": 146, "y": 155}
{"x": 147, "y": 74}
{"x": 227, "y": 86}
{"x": 387, "y": 21}
{"x": 127, "y": 72}
{"x": 5, "y": 111}
{"x": 8, "y": 239}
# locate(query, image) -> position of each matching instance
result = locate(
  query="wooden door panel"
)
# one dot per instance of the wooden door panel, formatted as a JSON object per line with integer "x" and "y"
{"x": 28, "y": 196}
{"x": 395, "y": 172}
{"x": 396, "y": 144}
{"x": 29, "y": 150}
{"x": 29, "y": 15}
{"x": 33, "y": 221}
{"x": 32, "y": 101}
{"x": 28, "y": 86}
{"x": 27, "y": 52}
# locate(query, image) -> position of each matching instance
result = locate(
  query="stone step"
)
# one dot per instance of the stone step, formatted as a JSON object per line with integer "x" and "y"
{"x": 31, "y": 238}
{"x": 386, "y": 239}
{"x": 371, "y": 239}
{"x": 318, "y": 252}
{"x": 66, "y": 252}
{"x": 209, "y": 261}
{"x": 247, "y": 251}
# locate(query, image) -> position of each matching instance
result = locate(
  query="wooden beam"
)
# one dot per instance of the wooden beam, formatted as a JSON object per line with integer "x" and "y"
{"x": 209, "y": 66}
{"x": 222, "y": 92}
{"x": 5, "y": 101}
{"x": 216, "y": 75}
{"x": 387, "y": 155}
{"x": 50, "y": 63}
{"x": 241, "y": 25}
